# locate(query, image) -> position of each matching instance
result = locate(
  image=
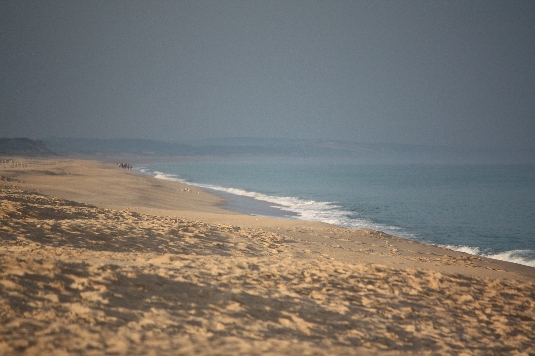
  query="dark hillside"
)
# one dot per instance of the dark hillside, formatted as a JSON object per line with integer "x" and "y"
{"x": 23, "y": 147}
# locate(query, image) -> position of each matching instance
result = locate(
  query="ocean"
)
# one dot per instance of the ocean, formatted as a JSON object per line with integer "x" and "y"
{"x": 486, "y": 210}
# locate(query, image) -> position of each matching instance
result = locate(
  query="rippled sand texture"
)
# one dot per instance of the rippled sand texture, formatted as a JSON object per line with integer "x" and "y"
{"x": 79, "y": 279}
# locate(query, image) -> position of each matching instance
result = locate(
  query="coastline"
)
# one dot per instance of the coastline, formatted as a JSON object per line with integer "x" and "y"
{"x": 243, "y": 267}
{"x": 494, "y": 222}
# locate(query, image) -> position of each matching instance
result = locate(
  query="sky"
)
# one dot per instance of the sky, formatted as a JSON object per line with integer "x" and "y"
{"x": 450, "y": 73}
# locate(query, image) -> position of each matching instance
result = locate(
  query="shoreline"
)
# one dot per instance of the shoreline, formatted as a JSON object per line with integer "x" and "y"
{"x": 99, "y": 259}
{"x": 173, "y": 198}
{"x": 251, "y": 206}
{"x": 233, "y": 202}
{"x": 258, "y": 204}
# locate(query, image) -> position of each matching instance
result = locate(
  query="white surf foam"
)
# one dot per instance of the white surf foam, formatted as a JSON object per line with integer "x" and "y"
{"x": 327, "y": 212}
{"x": 521, "y": 257}
{"x": 331, "y": 213}
{"x": 165, "y": 176}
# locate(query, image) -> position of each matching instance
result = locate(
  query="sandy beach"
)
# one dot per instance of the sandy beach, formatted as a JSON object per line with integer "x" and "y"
{"x": 98, "y": 260}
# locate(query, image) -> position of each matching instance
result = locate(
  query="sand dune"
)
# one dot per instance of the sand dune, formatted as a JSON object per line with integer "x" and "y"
{"x": 96, "y": 260}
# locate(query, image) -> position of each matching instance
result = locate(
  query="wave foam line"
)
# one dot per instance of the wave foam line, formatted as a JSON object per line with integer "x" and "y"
{"x": 311, "y": 210}
{"x": 521, "y": 257}
{"x": 327, "y": 212}
{"x": 332, "y": 213}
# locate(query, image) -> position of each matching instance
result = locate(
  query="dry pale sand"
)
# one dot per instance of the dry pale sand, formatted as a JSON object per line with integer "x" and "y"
{"x": 95, "y": 260}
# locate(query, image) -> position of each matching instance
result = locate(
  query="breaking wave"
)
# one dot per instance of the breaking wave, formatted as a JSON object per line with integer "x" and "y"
{"x": 333, "y": 213}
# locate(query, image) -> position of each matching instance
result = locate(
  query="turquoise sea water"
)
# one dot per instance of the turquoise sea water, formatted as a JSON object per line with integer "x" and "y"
{"x": 480, "y": 209}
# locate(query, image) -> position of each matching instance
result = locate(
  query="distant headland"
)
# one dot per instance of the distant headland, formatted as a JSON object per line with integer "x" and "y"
{"x": 23, "y": 147}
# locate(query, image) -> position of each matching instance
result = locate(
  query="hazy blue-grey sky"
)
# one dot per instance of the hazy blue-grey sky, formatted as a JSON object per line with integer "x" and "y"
{"x": 457, "y": 73}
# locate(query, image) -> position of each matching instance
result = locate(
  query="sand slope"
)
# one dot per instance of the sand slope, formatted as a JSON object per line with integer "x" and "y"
{"x": 82, "y": 279}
